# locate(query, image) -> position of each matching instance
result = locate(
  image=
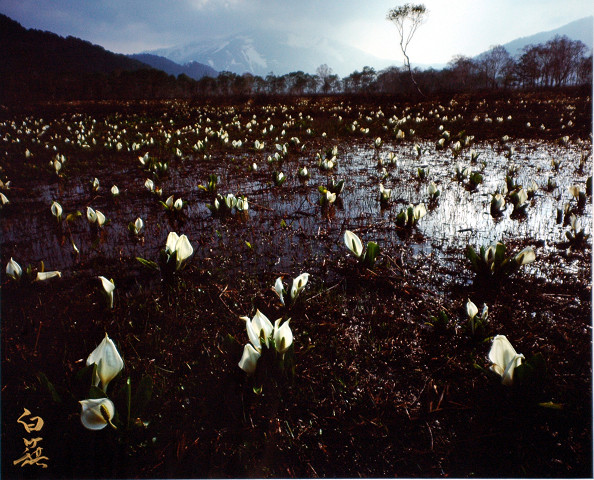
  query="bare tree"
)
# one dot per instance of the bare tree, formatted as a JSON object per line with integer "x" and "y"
{"x": 325, "y": 73}
{"x": 407, "y": 19}
{"x": 495, "y": 64}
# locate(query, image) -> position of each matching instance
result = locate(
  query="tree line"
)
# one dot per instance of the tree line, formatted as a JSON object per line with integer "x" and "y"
{"x": 560, "y": 62}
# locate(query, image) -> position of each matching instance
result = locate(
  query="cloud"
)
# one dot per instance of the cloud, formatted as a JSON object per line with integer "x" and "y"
{"x": 453, "y": 27}
{"x": 215, "y": 4}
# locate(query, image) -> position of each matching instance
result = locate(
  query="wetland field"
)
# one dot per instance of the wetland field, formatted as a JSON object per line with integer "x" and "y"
{"x": 386, "y": 367}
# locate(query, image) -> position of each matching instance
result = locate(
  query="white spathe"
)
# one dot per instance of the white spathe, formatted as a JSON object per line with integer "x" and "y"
{"x": 298, "y": 285}
{"x": 504, "y": 359}
{"x": 526, "y": 256}
{"x": 249, "y": 359}
{"x": 181, "y": 246}
{"x": 92, "y": 416}
{"x": 471, "y": 309}
{"x": 13, "y": 269}
{"x": 108, "y": 360}
{"x": 109, "y": 287}
{"x": 258, "y": 329}
{"x": 56, "y": 210}
{"x": 283, "y": 336}
{"x": 43, "y": 276}
{"x": 353, "y": 243}
{"x": 279, "y": 289}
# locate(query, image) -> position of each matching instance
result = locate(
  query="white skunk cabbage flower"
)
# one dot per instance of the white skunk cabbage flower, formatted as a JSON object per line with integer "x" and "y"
{"x": 108, "y": 361}
{"x": 353, "y": 243}
{"x": 471, "y": 309}
{"x": 97, "y": 413}
{"x": 91, "y": 215}
{"x": 137, "y": 226}
{"x": 249, "y": 359}
{"x": 504, "y": 359}
{"x": 472, "y": 312}
{"x": 432, "y": 190}
{"x": 181, "y": 246}
{"x": 525, "y": 257}
{"x": 574, "y": 191}
{"x": 149, "y": 185}
{"x": 14, "y": 270}
{"x": 230, "y": 200}
{"x": 298, "y": 285}
{"x": 419, "y": 211}
{"x": 241, "y": 204}
{"x": 95, "y": 216}
{"x": 278, "y": 288}
{"x": 260, "y": 331}
{"x": 497, "y": 204}
{"x": 283, "y": 336}
{"x": 328, "y": 197}
{"x": 521, "y": 197}
{"x": 385, "y": 193}
{"x": 109, "y": 287}
{"x": 43, "y": 276}
{"x": 56, "y": 210}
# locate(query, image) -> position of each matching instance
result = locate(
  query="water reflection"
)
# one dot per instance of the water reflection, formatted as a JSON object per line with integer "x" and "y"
{"x": 285, "y": 226}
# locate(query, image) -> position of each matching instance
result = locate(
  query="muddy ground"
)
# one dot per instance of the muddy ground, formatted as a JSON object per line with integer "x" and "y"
{"x": 377, "y": 388}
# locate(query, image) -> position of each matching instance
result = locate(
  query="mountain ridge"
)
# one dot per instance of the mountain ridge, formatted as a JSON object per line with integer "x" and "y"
{"x": 194, "y": 70}
{"x": 581, "y": 29}
{"x": 261, "y": 53}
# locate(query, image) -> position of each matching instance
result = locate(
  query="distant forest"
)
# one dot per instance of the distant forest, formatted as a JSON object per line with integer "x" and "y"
{"x": 42, "y": 66}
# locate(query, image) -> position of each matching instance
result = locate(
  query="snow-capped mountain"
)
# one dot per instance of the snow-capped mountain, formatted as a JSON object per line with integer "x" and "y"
{"x": 260, "y": 53}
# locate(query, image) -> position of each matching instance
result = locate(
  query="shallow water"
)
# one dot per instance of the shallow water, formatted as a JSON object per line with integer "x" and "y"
{"x": 458, "y": 218}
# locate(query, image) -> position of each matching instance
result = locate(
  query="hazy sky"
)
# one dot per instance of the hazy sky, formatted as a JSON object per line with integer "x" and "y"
{"x": 453, "y": 27}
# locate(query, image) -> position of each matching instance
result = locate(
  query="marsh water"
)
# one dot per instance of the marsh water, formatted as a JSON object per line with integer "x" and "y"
{"x": 459, "y": 217}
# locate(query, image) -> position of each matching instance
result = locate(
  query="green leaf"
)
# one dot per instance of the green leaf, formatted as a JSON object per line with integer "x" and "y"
{"x": 148, "y": 263}
{"x": 96, "y": 392}
{"x": 85, "y": 374}
{"x": 549, "y": 404}
{"x": 371, "y": 253}
{"x": 473, "y": 258}
{"x": 499, "y": 254}
{"x": 401, "y": 219}
{"x": 45, "y": 383}
{"x": 72, "y": 216}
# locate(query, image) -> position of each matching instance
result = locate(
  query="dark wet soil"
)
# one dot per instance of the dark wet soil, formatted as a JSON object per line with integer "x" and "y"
{"x": 378, "y": 389}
